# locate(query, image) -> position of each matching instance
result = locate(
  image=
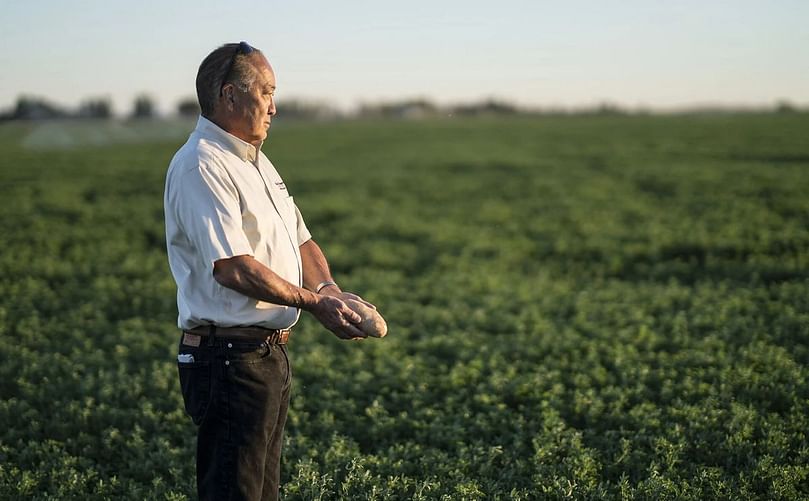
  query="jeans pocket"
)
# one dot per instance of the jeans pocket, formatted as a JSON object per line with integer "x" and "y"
{"x": 195, "y": 385}
{"x": 248, "y": 352}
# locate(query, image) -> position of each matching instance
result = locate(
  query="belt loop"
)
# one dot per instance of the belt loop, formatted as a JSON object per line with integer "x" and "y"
{"x": 211, "y": 334}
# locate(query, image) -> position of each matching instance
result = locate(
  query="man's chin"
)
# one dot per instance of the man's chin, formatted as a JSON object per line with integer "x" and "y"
{"x": 258, "y": 138}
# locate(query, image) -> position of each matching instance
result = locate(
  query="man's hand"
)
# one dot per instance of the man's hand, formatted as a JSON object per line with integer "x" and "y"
{"x": 372, "y": 324}
{"x": 351, "y": 295}
{"x": 336, "y": 316}
{"x": 335, "y": 292}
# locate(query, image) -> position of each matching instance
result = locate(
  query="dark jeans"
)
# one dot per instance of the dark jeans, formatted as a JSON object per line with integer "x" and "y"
{"x": 237, "y": 393}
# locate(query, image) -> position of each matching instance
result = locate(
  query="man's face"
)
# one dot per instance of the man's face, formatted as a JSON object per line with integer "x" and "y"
{"x": 253, "y": 110}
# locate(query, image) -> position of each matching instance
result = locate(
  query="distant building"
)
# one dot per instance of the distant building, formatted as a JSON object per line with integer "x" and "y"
{"x": 410, "y": 109}
{"x": 489, "y": 107}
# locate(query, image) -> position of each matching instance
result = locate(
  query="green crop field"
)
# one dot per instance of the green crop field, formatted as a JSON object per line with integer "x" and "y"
{"x": 579, "y": 307}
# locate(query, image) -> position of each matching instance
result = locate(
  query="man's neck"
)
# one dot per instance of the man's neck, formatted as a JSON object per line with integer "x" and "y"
{"x": 228, "y": 126}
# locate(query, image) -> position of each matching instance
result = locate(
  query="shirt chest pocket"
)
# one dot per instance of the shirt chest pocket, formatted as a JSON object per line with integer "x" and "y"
{"x": 285, "y": 225}
{"x": 260, "y": 217}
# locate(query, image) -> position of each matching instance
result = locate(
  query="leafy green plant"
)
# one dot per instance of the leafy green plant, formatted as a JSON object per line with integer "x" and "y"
{"x": 579, "y": 308}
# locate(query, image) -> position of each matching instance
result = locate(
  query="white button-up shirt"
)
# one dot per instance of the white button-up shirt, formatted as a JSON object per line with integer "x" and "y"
{"x": 223, "y": 199}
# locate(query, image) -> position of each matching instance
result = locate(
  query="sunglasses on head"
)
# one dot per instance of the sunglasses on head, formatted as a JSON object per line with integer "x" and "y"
{"x": 244, "y": 49}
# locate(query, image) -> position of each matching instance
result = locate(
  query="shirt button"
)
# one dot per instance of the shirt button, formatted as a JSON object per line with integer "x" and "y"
{"x": 230, "y": 345}
{"x": 227, "y": 362}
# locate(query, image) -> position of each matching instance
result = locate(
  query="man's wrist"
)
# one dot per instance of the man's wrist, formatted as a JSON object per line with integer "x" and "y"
{"x": 324, "y": 284}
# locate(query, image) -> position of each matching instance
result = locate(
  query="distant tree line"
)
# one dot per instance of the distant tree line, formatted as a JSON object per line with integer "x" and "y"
{"x": 143, "y": 107}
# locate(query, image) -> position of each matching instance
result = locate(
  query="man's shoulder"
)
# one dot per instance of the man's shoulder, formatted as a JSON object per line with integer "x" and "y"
{"x": 197, "y": 153}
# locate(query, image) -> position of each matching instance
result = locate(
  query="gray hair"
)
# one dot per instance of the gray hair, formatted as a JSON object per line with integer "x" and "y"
{"x": 211, "y": 75}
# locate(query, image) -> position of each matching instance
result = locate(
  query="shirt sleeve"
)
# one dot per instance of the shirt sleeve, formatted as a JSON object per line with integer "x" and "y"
{"x": 303, "y": 232}
{"x": 209, "y": 212}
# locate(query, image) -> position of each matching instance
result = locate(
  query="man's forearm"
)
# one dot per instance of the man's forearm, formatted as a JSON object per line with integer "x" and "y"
{"x": 315, "y": 267}
{"x": 249, "y": 277}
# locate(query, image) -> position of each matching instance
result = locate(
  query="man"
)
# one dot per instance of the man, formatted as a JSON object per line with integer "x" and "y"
{"x": 245, "y": 265}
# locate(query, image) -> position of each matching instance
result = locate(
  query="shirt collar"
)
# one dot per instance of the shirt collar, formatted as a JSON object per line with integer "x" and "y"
{"x": 244, "y": 150}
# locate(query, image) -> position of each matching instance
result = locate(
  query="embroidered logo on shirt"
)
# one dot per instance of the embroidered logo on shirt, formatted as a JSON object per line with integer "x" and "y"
{"x": 281, "y": 186}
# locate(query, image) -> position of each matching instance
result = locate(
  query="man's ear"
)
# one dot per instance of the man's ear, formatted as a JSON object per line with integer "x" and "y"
{"x": 227, "y": 100}
{"x": 227, "y": 92}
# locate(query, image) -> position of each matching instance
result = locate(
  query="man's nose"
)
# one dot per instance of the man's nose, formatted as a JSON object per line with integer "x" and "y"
{"x": 271, "y": 109}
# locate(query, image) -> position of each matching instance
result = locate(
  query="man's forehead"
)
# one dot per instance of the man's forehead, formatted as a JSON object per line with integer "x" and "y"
{"x": 266, "y": 76}
{"x": 267, "y": 81}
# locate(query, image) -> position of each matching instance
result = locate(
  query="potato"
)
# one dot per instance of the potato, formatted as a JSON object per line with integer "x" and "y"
{"x": 372, "y": 322}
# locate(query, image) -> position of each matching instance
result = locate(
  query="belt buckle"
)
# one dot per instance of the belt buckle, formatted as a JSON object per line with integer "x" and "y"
{"x": 279, "y": 336}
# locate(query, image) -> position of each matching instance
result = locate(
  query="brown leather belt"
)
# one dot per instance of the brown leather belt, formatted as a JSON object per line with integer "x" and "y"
{"x": 257, "y": 334}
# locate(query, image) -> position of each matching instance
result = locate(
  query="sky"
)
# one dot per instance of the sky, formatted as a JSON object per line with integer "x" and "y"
{"x": 577, "y": 53}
